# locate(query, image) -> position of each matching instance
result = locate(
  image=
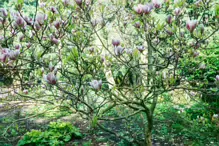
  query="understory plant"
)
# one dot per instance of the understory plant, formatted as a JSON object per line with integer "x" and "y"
{"x": 100, "y": 57}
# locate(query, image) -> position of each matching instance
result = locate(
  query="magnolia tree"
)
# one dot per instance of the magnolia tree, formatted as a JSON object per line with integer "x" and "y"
{"x": 98, "y": 57}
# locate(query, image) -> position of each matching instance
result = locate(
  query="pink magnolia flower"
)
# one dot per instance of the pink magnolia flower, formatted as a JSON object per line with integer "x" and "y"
{"x": 78, "y": 2}
{"x": 50, "y": 78}
{"x": 191, "y": 25}
{"x": 19, "y": 21}
{"x": 129, "y": 51}
{"x": 195, "y": 54}
{"x": 137, "y": 24}
{"x": 28, "y": 20}
{"x": 88, "y": 2}
{"x": 57, "y": 24}
{"x": 143, "y": 9}
{"x": 66, "y": 2}
{"x": 54, "y": 40}
{"x": 94, "y": 22}
{"x": 17, "y": 47}
{"x": 29, "y": 45}
{"x": 177, "y": 11}
{"x": 115, "y": 42}
{"x": 13, "y": 54}
{"x": 42, "y": 5}
{"x": 21, "y": 38}
{"x": 40, "y": 18}
{"x": 157, "y": 3}
{"x": 3, "y": 12}
{"x": 54, "y": 10}
{"x": 3, "y": 57}
{"x": 140, "y": 48}
{"x": 169, "y": 31}
{"x": 25, "y": 91}
{"x": 37, "y": 25}
{"x": 169, "y": 19}
{"x": 95, "y": 84}
{"x": 119, "y": 50}
{"x": 217, "y": 77}
{"x": 139, "y": 9}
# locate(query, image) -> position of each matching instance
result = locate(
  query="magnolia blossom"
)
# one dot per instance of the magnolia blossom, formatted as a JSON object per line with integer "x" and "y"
{"x": 94, "y": 22}
{"x": 170, "y": 30}
{"x": 202, "y": 66}
{"x": 79, "y": 2}
{"x": 137, "y": 24}
{"x": 177, "y": 11}
{"x": 96, "y": 84}
{"x": 3, "y": 57}
{"x": 191, "y": 25}
{"x": 13, "y": 54}
{"x": 169, "y": 19}
{"x": 57, "y": 24}
{"x": 115, "y": 42}
{"x": 54, "y": 10}
{"x": 19, "y": 21}
{"x": 3, "y": 12}
{"x": 215, "y": 116}
{"x": 198, "y": 3}
{"x": 21, "y": 37}
{"x": 88, "y": 2}
{"x": 25, "y": 91}
{"x": 140, "y": 48}
{"x": 182, "y": 34}
{"x": 217, "y": 77}
{"x": 118, "y": 50}
{"x": 37, "y": 25}
{"x": 51, "y": 66}
{"x": 29, "y": 45}
{"x": 40, "y": 18}
{"x": 66, "y": 2}
{"x": 42, "y": 70}
{"x": 195, "y": 54}
{"x": 143, "y": 9}
{"x": 54, "y": 40}
{"x": 139, "y": 9}
{"x": 28, "y": 20}
{"x": 91, "y": 50}
{"x": 50, "y": 78}
{"x": 55, "y": 70}
{"x": 42, "y": 5}
{"x": 17, "y": 47}
{"x": 157, "y": 3}
{"x": 129, "y": 51}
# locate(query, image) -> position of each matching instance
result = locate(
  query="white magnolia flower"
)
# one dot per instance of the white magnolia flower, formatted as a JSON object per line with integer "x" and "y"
{"x": 96, "y": 84}
{"x": 119, "y": 50}
{"x": 50, "y": 78}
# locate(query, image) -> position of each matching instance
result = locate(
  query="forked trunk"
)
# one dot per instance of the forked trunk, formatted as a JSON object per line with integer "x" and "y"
{"x": 148, "y": 131}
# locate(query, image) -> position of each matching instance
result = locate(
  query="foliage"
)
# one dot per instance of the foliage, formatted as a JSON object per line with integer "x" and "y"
{"x": 188, "y": 125}
{"x": 58, "y": 133}
{"x": 96, "y": 57}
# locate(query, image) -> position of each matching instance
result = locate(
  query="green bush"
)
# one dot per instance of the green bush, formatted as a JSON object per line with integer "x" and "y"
{"x": 58, "y": 133}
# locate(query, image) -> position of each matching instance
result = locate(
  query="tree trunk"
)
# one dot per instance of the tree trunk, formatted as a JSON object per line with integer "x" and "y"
{"x": 148, "y": 130}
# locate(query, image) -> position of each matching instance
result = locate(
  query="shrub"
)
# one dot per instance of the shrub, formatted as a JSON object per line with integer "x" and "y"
{"x": 58, "y": 133}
